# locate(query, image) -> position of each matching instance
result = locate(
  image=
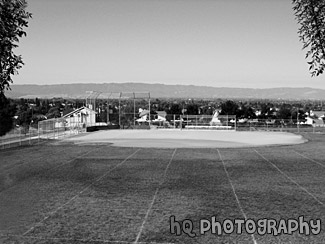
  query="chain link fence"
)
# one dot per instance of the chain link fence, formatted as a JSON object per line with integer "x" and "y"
{"x": 45, "y": 130}
{"x": 64, "y": 127}
{"x": 60, "y": 127}
{"x": 282, "y": 125}
{"x": 174, "y": 121}
{"x": 20, "y": 136}
{"x": 222, "y": 122}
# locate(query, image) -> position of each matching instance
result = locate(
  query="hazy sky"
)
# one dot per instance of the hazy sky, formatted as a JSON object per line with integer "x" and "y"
{"x": 229, "y": 43}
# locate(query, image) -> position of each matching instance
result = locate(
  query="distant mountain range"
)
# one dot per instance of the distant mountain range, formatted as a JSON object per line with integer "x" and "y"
{"x": 164, "y": 91}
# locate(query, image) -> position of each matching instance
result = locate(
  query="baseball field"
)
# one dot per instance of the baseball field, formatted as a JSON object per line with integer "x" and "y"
{"x": 139, "y": 187}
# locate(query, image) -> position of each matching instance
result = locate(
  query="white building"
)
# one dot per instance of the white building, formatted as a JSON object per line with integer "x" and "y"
{"x": 318, "y": 114}
{"x": 160, "y": 116}
{"x": 80, "y": 117}
{"x": 144, "y": 115}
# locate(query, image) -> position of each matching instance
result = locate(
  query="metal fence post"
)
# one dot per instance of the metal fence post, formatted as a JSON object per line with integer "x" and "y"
{"x": 29, "y": 136}
{"x": 187, "y": 120}
{"x": 174, "y": 122}
{"x": 38, "y": 131}
{"x": 227, "y": 121}
{"x": 119, "y": 111}
{"x": 235, "y": 123}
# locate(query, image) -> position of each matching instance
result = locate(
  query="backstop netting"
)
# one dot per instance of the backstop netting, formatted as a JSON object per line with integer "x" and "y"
{"x": 128, "y": 106}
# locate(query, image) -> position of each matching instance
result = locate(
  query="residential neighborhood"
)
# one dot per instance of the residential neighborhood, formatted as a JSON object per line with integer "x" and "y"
{"x": 28, "y": 112}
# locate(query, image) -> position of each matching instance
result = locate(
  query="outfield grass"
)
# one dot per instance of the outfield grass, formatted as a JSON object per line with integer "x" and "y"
{"x": 66, "y": 193}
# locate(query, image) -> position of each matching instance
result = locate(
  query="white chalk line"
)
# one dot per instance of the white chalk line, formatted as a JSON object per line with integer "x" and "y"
{"x": 29, "y": 155}
{"x": 71, "y": 160}
{"x": 310, "y": 159}
{"x": 234, "y": 191}
{"x": 79, "y": 239}
{"x": 74, "y": 197}
{"x": 292, "y": 180}
{"x": 154, "y": 198}
{"x": 123, "y": 208}
{"x": 20, "y": 148}
{"x": 57, "y": 166}
{"x": 92, "y": 205}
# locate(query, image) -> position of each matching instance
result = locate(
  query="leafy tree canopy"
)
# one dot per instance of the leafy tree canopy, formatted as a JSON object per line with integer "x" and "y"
{"x": 310, "y": 14}
{"x": 53, "y": 113}
{"x": 13, "y": 20}
{"x": 7, "y": 111}
{"x": 229, "y": 107}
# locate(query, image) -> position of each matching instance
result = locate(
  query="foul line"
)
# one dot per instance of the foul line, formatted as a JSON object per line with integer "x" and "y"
{"x": 52, "y": 154}
{"x": 81, "y": 240}
{"x": 292, "y": 180}
{"x": 154, "y": 198}
{"x": 21, "y": 161}
{"x": 54, "y": 167}
{"x": 233, "y": 190}
{"x": 310, "y": 159}
{"x": 71, "y": 160}
{"x": 74, "y": 197}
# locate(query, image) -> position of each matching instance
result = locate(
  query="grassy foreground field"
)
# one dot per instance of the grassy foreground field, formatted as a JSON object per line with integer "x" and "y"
{"x": 68, "y": 193}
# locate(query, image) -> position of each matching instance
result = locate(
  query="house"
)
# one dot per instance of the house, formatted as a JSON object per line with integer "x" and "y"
{"x": 143, "y": 114}
{"x": 309, "y": 121}
{"x": 319, "y": 123}
{"x": 318, "y": 114}
{"x": 81, "y": 117}
{"x": 314, "y": 122}
{"x": 160, "y": 116}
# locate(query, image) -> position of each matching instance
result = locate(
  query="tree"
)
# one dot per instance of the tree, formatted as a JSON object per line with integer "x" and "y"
{"x": 267, "y": 111}
{"x": 7, "y": 111}
{"x": 175, "y": 109}
{"x": 229, "y": 108}
{"x": 13, "y": 20}
{"x": 246, "y": 112}
{"x": 192, "y": 109}
{"x": 298, "y": 114}
{"x": 310, "y": 14}
{"x": 285, "y": 111}
{"x": 54, "y": 112}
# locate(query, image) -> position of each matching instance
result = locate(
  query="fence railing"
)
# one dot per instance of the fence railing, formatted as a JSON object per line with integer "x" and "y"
{"x": 38, "y": 133}
{"x": 127, "y": 121}
{"x": 285, "y": 125}
{"x": 19, "y": 137}
{"x": 175, "y": 121}
{"x": 60, "y": 128}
